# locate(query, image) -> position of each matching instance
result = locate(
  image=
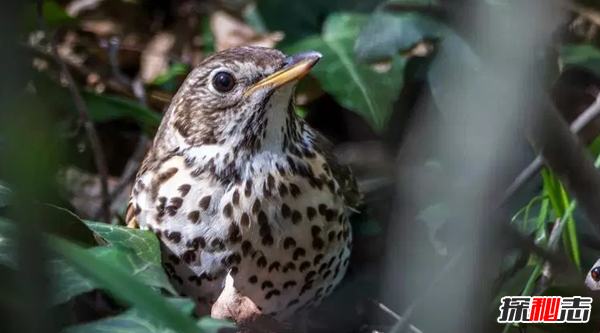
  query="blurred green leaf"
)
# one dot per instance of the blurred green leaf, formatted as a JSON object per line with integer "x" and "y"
{"x": 109, "y": 107}
{"x": 148, "y": 273}
{"x": 132, "y": 321}
{"x": 360, "y": 88}
{"x": 54, "y": 14}
{"x": 135, "y": 321}
{"x": 4, "y": 194}
{"x": 101, "y": 107}
{"x": 112, "y": 276}
{"x": 584, "y": 55}
{"x": 301, "y": 19}
{"x": 175, "y": 70}
{"x": 144, "y": 243}
{"x": 386, "y": 35}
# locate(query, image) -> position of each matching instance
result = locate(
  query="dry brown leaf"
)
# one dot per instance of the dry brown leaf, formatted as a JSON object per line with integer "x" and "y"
{"x": 155, "y": 56}
{"x": 231, "y": 32}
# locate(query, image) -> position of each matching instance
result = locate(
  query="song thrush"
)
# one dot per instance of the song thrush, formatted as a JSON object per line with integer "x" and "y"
{"x": 239, "y": 188}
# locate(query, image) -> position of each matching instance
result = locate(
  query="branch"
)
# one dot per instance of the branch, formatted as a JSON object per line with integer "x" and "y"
{"x": 99, "y": 156}
{"x": 564, "y": 153}
{"x": 591, "y": 113}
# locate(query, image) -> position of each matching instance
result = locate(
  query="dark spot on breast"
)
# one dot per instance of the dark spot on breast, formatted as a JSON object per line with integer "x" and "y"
{"x": 245, "y": 220}
{"x": 228, "y": 210}
{"x": 317, "y": 259}
{"x": 322, "y": 209}
{"x": 266, "y": 284}
{"x": 272, "y": 293}
{"x": 330, "y": 215}
{"x": 290, "y": 266}
{"x": 299, "y": 252}
{"x": 271, "y": 181}
{"x": 289, "y": 242}
{"x": 315, "y": 230}
{"x": 234, "y": 236}
{"x": 234, "y": 270}
{"x": 289, "y": 284}
{"x": 197, "y": 243}
{"x": 305, "y": 288}
{"x": 205, "y": 202}
{"x": 174, "y": 236}
{"x": 267, "y": 240}
{"x": 318, "y": 243}
{"x": 253, "y": 279}
{"x": 310, "y": 213}
{"x": 189, "y": 256}
{"x": 217, "y": 244}
{"x": 294, "y": 190}
{"x": 280, "y": 169}
{"x": 184, "y": 189}
{"x": 262, "y": 219}
{"x": 304, "y": 266}
{"x": 194, "y": 216}
{"x": 310, "y": 276}
{"x": 256, "y": 206}
{"x": 246, "y": 247}
{"x": 236, "y": 198}
{"x": 286, "y": 212}
{"x": 331, "y": 261}
{"x": 283, "y": 190}
{"x": 261, "y": 262}
{"x": 296, "y": 217}
{"x": 331, "y": 236}
{"x": 248, "y": 189}
{"x": 322, "y": 268}
{"x": 274, "y": 266}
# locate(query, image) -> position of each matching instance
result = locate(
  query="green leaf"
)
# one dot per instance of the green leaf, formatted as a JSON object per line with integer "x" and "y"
{"x": 109, "y": 107}
{"x": 146, "y": 263}
{"x": 101, "y": 108}
{"x": 132, "y": 321}
{"x": 122, "y": 285}
{"x": 144, "y": 243}
{"x": 584, "y": 55}
{"x": 301, "y": 19}
{"x": 66, "y": 281}
{"x": 386, "y": 35}
{"x": 54, "y": 14}
{"x": 135, "y": 321}
{"x": 175, "y": 70}
{"x": 357, "y": 87}
{"x": 4, "y": 194}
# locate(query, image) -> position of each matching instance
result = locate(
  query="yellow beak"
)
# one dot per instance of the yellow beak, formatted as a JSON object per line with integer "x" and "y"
{"x": 295, "y": 68}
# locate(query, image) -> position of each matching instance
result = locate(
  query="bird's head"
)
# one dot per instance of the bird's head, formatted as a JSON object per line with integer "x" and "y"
{"x": 242, "y": 97}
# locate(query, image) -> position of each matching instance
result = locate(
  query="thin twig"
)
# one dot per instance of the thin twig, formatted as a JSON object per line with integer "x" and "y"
{"x": 403, "y": 322}
{"x": 591, "y": 113}
{"x": 393, "y": 314}
{"x": 98, "y": 152}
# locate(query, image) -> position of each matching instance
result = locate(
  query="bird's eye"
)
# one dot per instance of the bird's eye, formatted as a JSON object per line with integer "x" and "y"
{"x": 223, "y": 82}
{"x": 595, "y": 273}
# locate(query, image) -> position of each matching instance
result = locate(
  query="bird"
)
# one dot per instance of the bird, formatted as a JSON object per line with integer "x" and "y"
{"x": 242, "y": 193}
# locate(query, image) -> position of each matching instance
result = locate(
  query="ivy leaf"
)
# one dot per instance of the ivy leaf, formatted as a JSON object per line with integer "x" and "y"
{"x": 360, "y": 88}
{"x": 135, "y": 321}
{"x": 585, "y": 56}
{"x": 144, "y": 243}
{"x": 386, "y": 35}
{"x": 145, "y": 246}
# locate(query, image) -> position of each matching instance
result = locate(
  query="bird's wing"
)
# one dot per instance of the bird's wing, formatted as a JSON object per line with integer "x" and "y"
{"x": 342, "y": 173}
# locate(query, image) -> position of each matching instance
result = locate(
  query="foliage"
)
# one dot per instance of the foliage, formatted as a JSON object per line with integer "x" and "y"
{"x": 367, "y": 65}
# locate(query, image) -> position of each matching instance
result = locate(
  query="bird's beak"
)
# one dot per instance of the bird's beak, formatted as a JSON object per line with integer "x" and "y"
{"x": 295, "y": 68}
